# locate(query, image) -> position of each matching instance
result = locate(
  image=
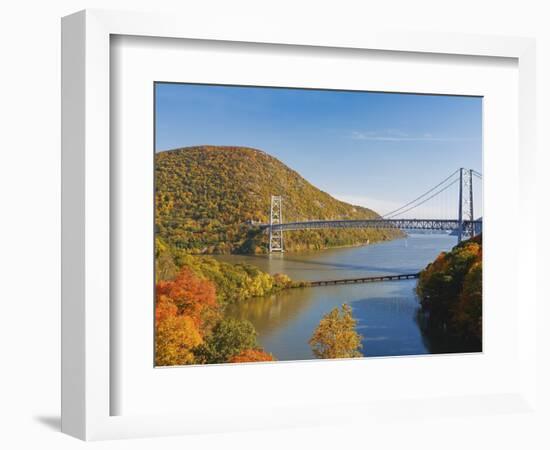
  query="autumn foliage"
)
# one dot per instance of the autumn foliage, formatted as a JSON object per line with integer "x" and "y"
{"x": 450, "y": 291}
{"x": 232, "y": 282}
{"x": 336, "y": 337}
{"x": 190, "y": 328}
{"x": 176, "y": 337}
{"x": 193, "y": 297}
{"x": 208, "y": 197}
{"x": 252, "y": 355}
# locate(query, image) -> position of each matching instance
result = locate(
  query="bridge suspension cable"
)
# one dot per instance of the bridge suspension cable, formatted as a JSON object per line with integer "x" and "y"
{"x": 463, "y": 225}
{"x": 399, "y": 211}
{"x": 452, "y": 183}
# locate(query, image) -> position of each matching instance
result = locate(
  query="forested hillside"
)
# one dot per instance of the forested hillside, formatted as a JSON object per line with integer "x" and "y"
{"x": 450, "y": 291}
{"x": 206, "y": 198}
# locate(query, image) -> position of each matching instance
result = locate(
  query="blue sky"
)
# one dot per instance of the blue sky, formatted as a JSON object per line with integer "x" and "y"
{"x": 373, "y": 149}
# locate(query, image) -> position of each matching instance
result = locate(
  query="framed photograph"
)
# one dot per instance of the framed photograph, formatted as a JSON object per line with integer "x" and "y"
{"x": 253, "y": 217}
{"x": 244, "y": 242}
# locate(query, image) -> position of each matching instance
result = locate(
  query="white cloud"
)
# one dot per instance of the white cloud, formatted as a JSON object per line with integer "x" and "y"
{"x": 392, "y": 135}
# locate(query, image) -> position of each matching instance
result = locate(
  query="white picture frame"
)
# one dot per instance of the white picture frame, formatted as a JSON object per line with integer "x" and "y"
{"x": 87, "y": 386}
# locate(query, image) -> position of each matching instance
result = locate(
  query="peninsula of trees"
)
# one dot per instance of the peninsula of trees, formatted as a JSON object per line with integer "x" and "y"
{"x": 450, "y": 292}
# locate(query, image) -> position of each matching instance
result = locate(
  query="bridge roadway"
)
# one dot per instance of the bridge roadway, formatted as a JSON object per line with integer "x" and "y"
{"x": 405, "y": 224}
{"x": 405, "y": 276}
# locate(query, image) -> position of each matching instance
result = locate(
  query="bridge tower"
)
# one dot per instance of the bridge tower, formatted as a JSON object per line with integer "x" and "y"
{"x": 276, "y": 218}
{"x": 465, "y": 204}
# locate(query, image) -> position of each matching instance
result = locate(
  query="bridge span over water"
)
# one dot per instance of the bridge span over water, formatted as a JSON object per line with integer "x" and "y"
{"x": 402, "y": 224}
{"x": 463, "y": 225}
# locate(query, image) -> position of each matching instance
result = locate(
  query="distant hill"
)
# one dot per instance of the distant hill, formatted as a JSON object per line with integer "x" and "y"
{"x": 206, "y": 197}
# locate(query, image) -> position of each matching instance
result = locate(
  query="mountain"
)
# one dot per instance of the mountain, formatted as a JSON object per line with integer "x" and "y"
{"x": 208, "y": 196}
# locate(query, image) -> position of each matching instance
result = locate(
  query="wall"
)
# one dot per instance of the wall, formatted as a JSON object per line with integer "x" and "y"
{"x": 29, "y": 178}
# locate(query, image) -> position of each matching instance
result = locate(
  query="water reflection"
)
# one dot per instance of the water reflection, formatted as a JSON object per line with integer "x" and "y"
{"x": 269, "y": 314}
{"x": 386, "y": 312}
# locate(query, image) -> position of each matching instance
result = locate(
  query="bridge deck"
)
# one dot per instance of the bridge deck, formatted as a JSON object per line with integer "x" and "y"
{"x": 406, "y": 276}
{"x": 410, "y": 224}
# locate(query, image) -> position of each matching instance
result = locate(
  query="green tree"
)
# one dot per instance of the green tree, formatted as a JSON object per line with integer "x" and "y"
{"x": 336, "y": 337}
{"x": 229, "y": 338}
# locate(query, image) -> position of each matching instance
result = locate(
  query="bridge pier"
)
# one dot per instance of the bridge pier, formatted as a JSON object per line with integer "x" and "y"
{"x": 466, "y": 205}
{"x": 276, "y": 218}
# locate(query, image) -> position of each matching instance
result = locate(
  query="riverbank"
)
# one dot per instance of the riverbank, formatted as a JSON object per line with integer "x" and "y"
{"x": 386, "y": 312}
{"x": 450, "y": 293}
{"x": 233, "y": 282}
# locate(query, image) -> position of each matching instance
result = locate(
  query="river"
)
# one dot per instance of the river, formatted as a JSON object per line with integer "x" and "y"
{"x": 385, "y": 311}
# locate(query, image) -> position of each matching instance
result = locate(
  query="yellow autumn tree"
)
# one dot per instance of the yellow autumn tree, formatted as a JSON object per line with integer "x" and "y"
{"x": 335, "y": 336}
{"x": 176, "y": 337}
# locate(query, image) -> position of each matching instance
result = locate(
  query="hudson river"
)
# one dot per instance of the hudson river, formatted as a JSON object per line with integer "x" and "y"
{"x": 385, "y": 311}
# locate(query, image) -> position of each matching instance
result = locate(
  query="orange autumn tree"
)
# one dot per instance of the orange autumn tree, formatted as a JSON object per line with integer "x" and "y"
{"x": 191, "y": 329}
{"x": 252, "y": 355}
{"x": 185, "y": 308}
{"x": 164, "y": 308}
{"x": 176, "y": 335}
{"x": 194, "y": 297}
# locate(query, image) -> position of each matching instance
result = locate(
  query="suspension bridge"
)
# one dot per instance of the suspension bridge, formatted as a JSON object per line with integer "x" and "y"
{"x": 457, "y": 186}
